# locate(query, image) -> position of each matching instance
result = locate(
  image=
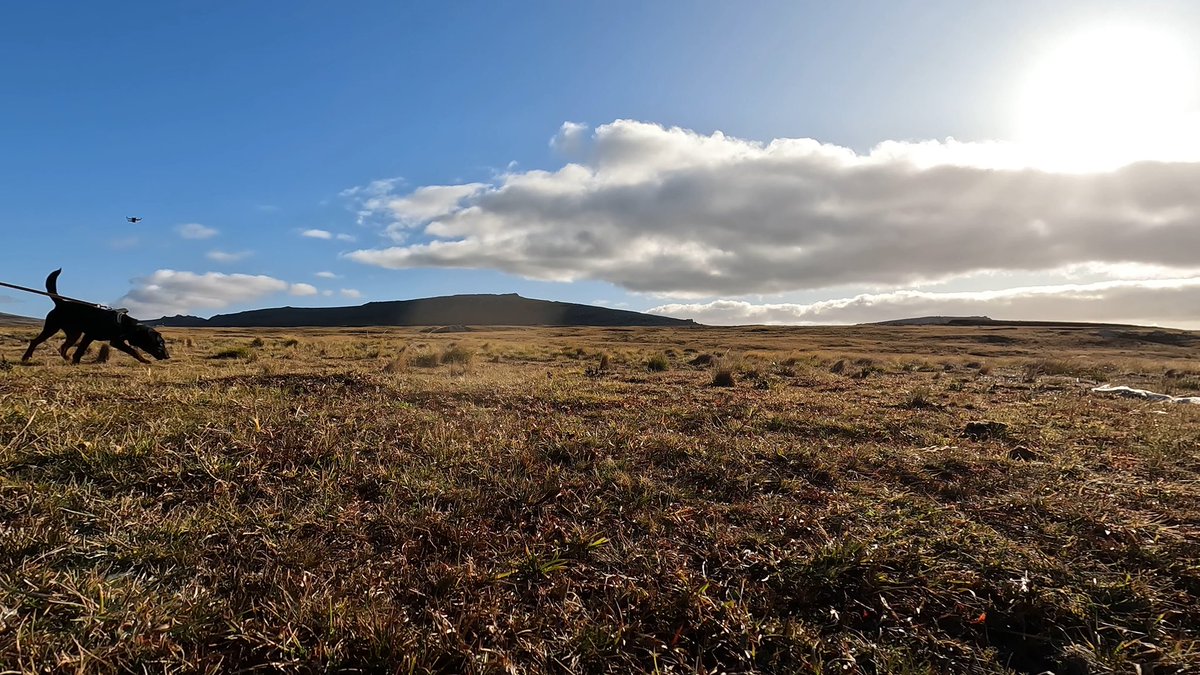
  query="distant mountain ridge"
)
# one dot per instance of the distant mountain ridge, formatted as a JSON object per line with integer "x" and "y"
{"x": 467, "y": 310}
{"x": 936, "y": 321}
{"x": 14, "y": 320}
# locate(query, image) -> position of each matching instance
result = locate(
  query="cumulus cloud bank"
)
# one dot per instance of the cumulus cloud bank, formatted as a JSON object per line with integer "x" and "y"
{"x": 671, "y": 211}
{"x": 167, "y": 292}
{"x": 1165, "y": 301}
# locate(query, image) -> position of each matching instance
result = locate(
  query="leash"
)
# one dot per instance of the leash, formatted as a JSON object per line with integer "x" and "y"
{"x": 54, "y": 295}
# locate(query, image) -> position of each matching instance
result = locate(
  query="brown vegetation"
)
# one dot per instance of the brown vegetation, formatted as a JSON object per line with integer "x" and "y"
{"x": 312, "y": 502}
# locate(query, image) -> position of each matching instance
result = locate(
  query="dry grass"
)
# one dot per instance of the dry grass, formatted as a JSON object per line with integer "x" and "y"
{"x": 457, "y": 355}
{"x": 239, "y": 352}
{"x": 723, "y": 377}
{"x": 658, "y": 363}
{"x": 315, "y": 508}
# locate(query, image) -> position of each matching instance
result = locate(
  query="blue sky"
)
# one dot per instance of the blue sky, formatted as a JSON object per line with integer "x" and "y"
{"x": 258, "y": 120}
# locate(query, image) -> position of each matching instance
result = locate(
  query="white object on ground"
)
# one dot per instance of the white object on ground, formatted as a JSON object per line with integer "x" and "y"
{"x": 1148, "y": 395}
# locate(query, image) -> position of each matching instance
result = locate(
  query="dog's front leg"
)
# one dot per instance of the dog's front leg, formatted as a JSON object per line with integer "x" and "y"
{"x": 128, "y": 350}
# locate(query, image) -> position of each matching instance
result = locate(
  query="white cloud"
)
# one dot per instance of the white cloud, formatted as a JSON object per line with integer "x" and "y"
{"x": 372, "y": 195}
{"x": 570, "y": 139}
{"x": 327, "y": 275}
{"x": 431, "y": 201}
{"x": 195, "y": 231}
{"x": 228, "y": 257}
{"x": 419, "y": 206}
{"x": 167, "y": 292}
{"x": 1145, "y": 301}
{"x": 326, "y": 234}
{"x": 327, "y": 293}
{"x": 302, "y": 289}
{"x": 669, "y": 211}
{"x": 350, "y": 293}
{"x": 383, "y": 186}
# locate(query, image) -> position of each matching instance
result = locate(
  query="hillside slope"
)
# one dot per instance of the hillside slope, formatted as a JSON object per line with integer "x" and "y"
{"x": 14, "y": 320}
{"x": 468, "y": 310}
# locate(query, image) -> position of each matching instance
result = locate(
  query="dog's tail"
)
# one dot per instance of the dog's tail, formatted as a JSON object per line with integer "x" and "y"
{"x": 52, "y": 283}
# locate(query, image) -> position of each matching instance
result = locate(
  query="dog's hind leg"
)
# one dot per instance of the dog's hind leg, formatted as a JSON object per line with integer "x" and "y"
{"x": 82, "y": 349}
{"x": 128, "y": 350}
{"x": 47, "y": 332}
{"x": 71, "y": 338}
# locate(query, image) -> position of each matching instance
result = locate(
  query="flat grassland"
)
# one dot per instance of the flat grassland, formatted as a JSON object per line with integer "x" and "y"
{"x": 593, "y": 500}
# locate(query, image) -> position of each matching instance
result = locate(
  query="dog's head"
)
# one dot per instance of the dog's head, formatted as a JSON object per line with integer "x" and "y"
{"x": 146, "y": 338}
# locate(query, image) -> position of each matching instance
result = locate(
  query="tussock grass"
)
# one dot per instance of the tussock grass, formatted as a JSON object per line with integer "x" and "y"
{"x": 312, "y": 513}
{"x": 457, "y": 355}
{"x": 240, "y": 352}
{"x": 1076, "y": 367}
{"x": 919, "y": 397}
{"x": 425, "y": 359}
{"x": 723, "y": 376}
{"x": 658, "y": 363}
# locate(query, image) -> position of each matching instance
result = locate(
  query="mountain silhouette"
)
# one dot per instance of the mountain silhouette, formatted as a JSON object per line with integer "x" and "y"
{"x": 466, "y": 310}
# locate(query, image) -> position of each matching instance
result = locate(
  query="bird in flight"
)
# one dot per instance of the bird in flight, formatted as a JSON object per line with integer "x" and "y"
{"x": 133, "y": 219}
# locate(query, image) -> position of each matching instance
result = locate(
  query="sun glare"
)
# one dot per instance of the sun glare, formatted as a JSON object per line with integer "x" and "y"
{"x": 1109, "y": 96}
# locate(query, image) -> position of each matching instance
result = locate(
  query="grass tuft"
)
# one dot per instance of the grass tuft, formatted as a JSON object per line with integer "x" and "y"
{"x": 425, "y": 359}
{"x": 723, "y": 376}
{"x": 457, "y": 355}
{"x": 918, "y": 398}
{"x": 658, "y": 363}
{"x": 241, "y": 352}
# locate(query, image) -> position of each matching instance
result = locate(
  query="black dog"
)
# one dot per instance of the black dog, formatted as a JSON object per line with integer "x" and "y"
{"x": 95, "y": 323}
